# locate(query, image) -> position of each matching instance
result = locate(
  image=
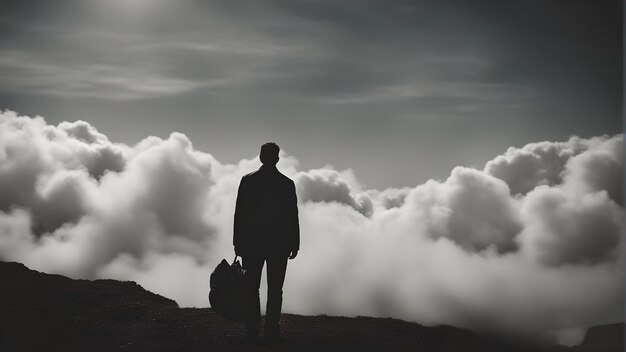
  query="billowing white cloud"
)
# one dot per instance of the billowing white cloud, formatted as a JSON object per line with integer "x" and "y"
{"x": 534, "y": 164}
{"x": 328, "y": 185}
{"x": 600, "y": 167}
{"x": 570, "y": 229}
{"x": 530, "y": 244}
{"x": 470, "y": 208}
{"x": 587, "y": 165}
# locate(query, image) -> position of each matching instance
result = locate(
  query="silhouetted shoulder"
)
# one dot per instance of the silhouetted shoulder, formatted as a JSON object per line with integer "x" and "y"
{"x": 285, "y": 178}
{"x": 250, "y": 174}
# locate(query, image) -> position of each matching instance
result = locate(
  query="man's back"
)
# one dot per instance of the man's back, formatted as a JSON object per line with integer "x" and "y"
{"x": 266, "y": 214}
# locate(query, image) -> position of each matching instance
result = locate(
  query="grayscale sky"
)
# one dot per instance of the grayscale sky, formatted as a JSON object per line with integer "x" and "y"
{"x": 399, "y": 91}
{"x": 528, "y": 242}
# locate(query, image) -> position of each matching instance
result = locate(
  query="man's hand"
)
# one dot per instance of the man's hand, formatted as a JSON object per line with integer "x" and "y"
{"x": 293, "y": 254}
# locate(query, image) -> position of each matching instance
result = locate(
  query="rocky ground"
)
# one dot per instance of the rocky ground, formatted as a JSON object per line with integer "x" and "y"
{"x": 43, "y": 312}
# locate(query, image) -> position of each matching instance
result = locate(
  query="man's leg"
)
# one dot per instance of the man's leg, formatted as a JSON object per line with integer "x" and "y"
{"x": 253, "y": 264}
{"x": 276, "y": 269}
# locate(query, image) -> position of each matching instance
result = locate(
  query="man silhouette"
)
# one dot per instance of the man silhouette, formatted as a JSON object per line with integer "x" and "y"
{"x": 266, "y": 230}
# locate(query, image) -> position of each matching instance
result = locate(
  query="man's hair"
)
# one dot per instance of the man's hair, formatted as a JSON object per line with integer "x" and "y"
{"x": 269, "y": 153}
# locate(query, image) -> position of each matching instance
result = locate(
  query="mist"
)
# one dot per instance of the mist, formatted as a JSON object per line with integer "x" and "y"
{"x": 531, "y": 244}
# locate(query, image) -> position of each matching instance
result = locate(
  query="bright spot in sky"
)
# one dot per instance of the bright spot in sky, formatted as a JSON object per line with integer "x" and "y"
{"x": 131, "y": 8}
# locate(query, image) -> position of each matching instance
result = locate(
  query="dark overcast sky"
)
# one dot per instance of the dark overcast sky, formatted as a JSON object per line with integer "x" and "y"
{"x": 399, "y": 91}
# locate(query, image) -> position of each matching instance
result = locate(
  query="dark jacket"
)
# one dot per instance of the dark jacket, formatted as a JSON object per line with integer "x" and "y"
{"x": 266, "y": 213}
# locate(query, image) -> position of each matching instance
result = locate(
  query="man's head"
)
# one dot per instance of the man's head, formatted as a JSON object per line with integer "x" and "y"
{"x": 269, "y": 153}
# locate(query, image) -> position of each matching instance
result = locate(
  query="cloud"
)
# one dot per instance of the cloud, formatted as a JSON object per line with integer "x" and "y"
{"x": 26, "y": 74}
{"x": 327, "y": 185}
{"x": 531, "y": 244}
{"x": 601, "y": 167}
{"x": 49, "y": 170}
{"x": 571, "y": 229}
{"x": 588, "y": 165}
{"x": 535, "y": 164}
{"x": 470, "y": 208}
{"x": 103, "y": 50}
{"x": 93, "y": 200}
{"x": 390, "y": 197}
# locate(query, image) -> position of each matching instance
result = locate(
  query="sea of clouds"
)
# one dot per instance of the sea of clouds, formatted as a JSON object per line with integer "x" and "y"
{"x": 530, "y": 244}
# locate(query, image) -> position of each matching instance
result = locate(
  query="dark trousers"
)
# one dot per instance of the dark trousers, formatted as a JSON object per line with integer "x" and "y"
{"x": 276, "y": 269}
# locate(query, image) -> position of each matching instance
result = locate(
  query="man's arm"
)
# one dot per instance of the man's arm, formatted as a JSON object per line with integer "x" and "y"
{"x": 295, "y": 224}
{"x": 239, "y": 221}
